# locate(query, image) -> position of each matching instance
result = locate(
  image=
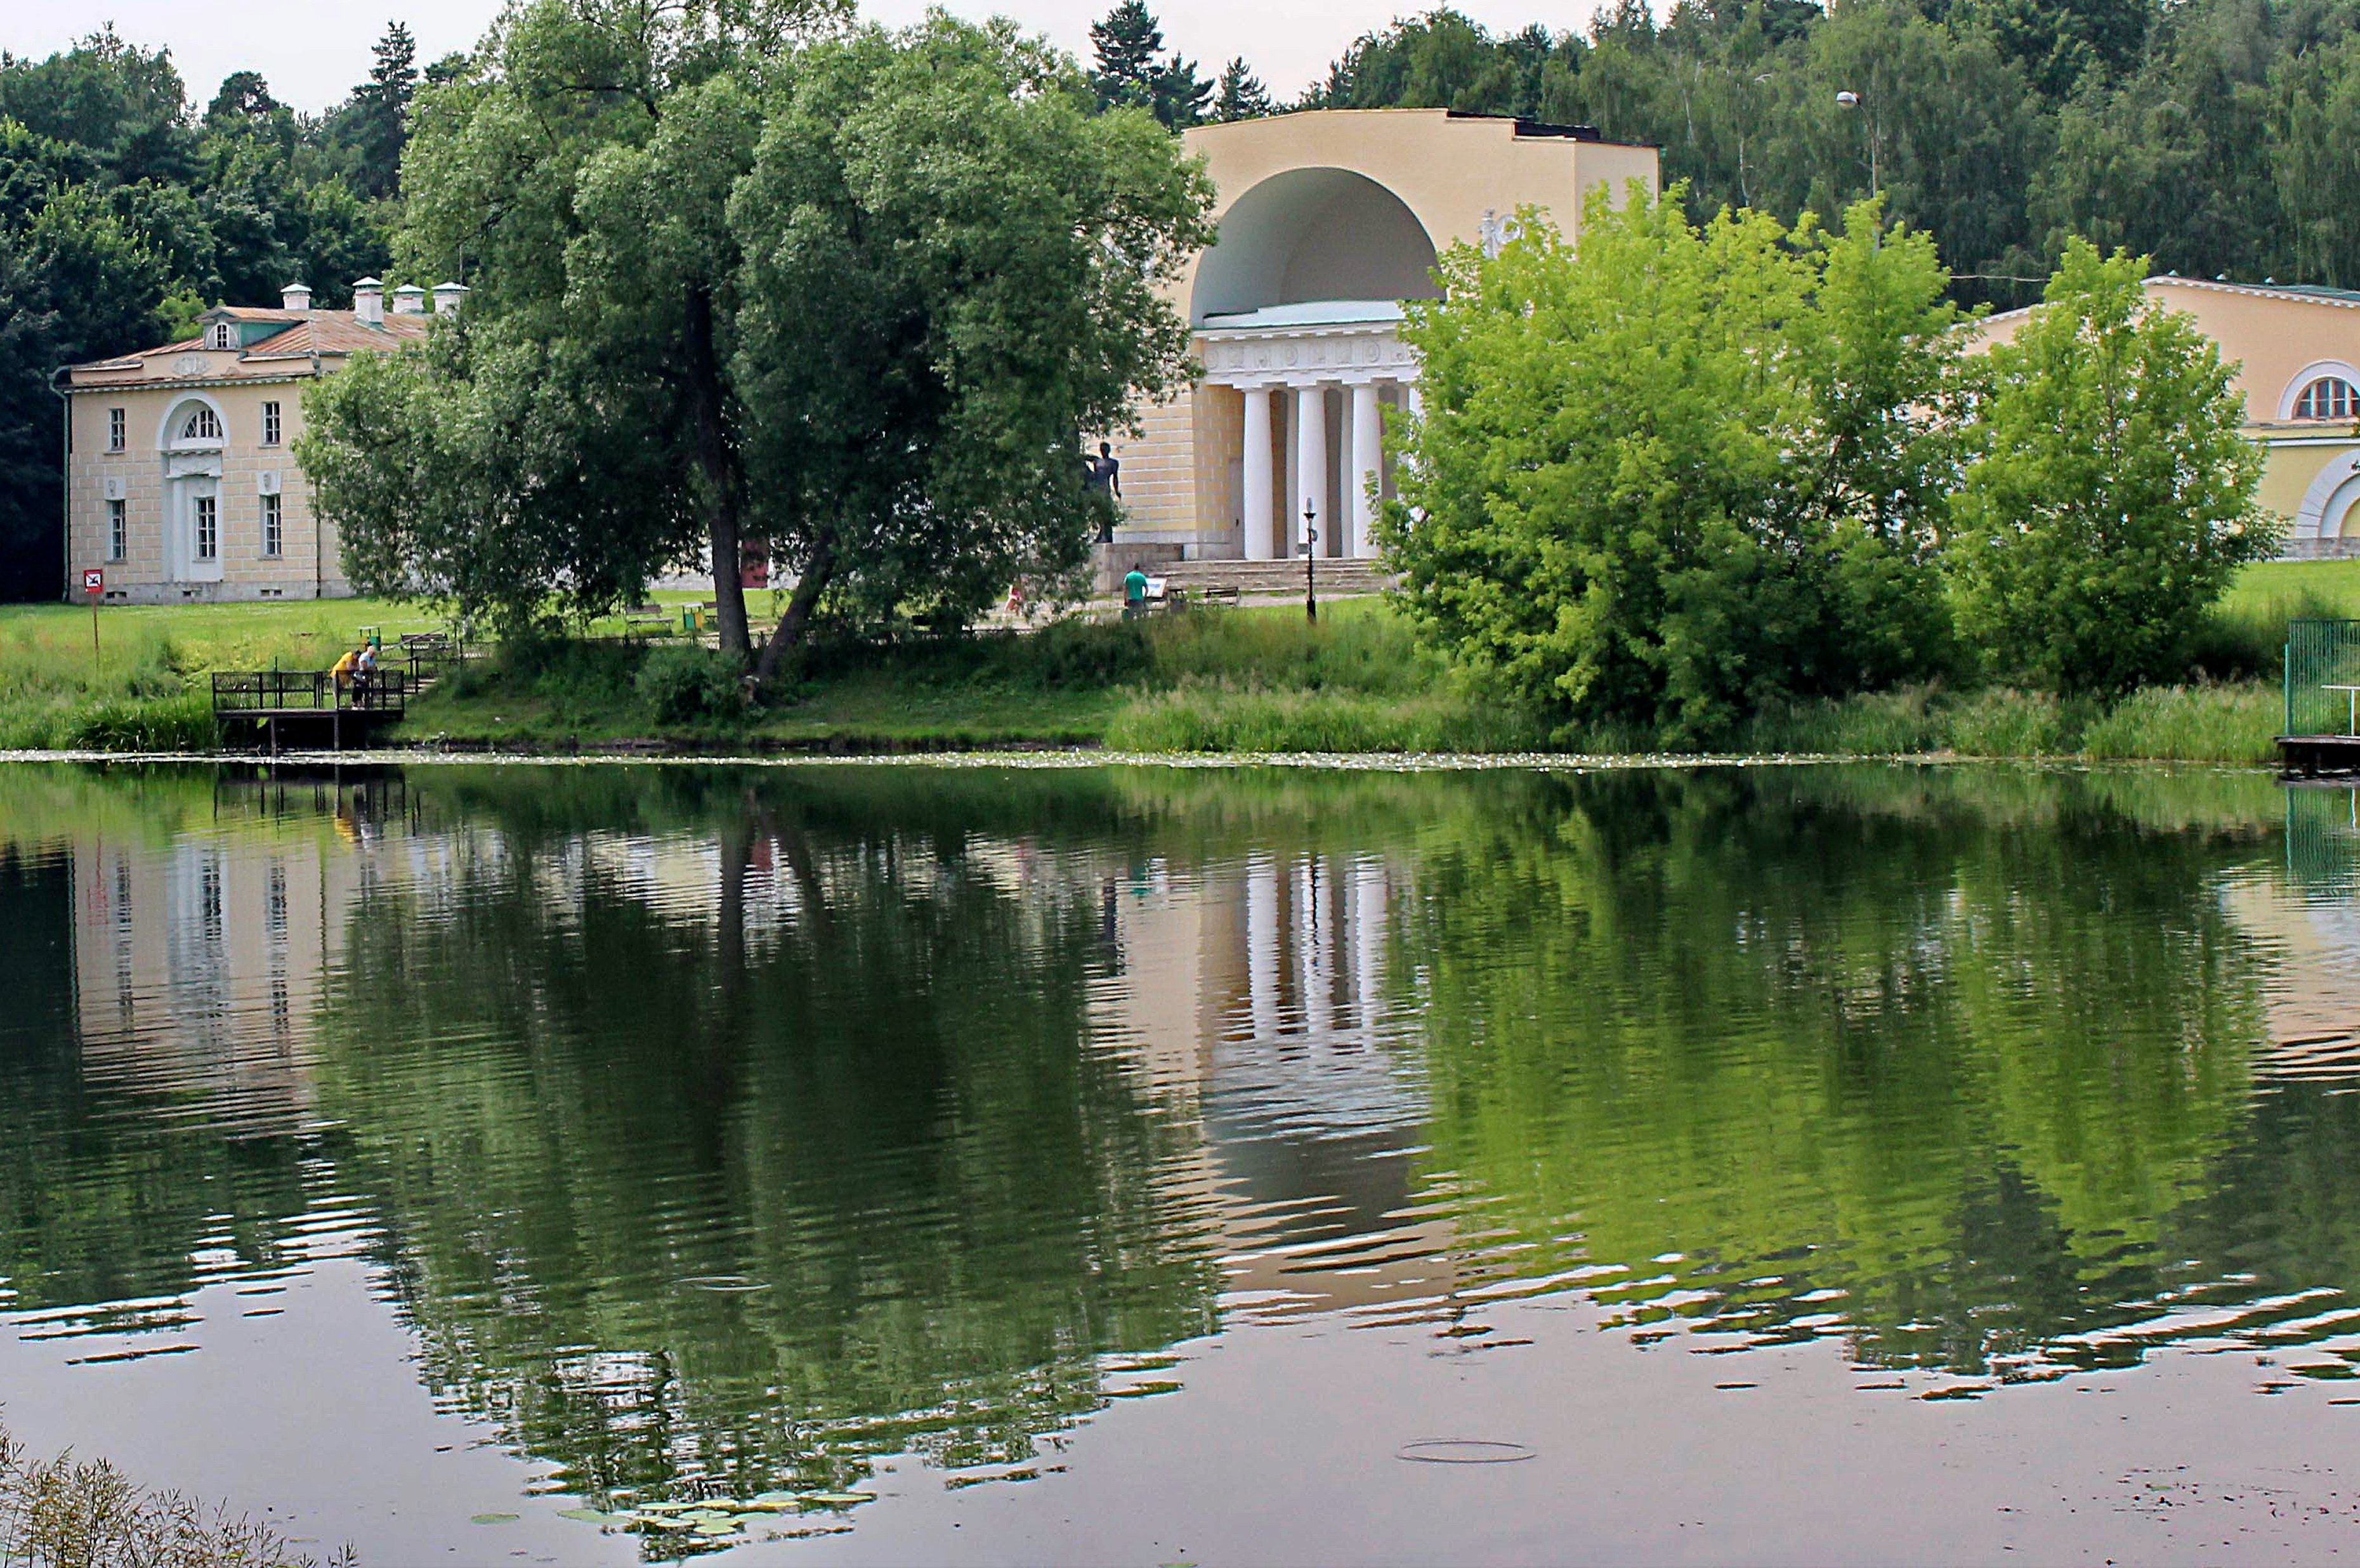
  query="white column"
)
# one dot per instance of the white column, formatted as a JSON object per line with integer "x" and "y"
{"x": 1258, "y": 473}
{"x": 1311, "y": 463}
{"x": 1417, "y": 400}
{"x": 1368, "y": 439}
{"x": 1262, "y": 944}
{"x": 1368, "y": 912}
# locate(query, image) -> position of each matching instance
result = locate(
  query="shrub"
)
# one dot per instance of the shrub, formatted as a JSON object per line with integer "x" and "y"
{"x": 691, "y": 685}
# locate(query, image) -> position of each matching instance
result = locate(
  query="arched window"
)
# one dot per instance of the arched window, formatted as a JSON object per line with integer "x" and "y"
{"x": 2329, "y": 397}
{"x": 201, "y": 426}
{"x": 225, "y": 335}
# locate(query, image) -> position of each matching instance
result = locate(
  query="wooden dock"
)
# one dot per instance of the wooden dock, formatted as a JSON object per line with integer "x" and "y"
{"x": 2309, "y": 756}
{"x": 306, "y": 710}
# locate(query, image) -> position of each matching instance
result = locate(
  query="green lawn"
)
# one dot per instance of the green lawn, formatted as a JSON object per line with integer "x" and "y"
{"x": 1256, "y": 678}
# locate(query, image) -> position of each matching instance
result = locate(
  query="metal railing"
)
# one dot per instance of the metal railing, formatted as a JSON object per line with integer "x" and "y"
{"x": 2322, "y": 678}
{"x": 309, "y": 692}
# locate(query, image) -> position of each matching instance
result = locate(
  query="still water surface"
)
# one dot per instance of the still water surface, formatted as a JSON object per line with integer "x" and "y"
{"x": 485, "y": 1164}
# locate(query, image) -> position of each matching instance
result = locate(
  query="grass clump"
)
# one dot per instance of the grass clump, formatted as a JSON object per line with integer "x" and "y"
{"x": 1204, "y": 717}
{"x": 71, "y": 1513}
{"x": 2189, "y": 723}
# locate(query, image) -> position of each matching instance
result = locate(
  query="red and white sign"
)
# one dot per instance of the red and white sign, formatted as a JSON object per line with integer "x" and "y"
{"x": 94, "y": 580}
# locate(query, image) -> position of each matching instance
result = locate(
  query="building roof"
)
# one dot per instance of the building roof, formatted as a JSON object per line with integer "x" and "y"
{"x": 2313, "y": 293}
{"x": 1308, "y": 313}
{"x": 300, "y": 334}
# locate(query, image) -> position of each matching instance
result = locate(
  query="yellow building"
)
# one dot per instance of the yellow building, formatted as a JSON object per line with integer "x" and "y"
{"x": 2296, "y": 349}
{"x": 1329, "y": 220}
{"x": 181, "y": 482}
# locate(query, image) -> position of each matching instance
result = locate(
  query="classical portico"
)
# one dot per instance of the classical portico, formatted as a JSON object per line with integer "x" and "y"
{"x": 1329, "y": 220}
{"x": 1315, "y": 381}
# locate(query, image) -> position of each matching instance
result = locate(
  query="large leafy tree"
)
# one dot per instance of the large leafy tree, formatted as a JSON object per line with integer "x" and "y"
{"x": 854, "y": 294}
{"x": 1682, "y": 472}
{"x": 2111, "y": 500}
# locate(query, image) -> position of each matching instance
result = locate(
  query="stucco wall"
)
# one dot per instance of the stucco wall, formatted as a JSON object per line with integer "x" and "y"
{"x": 309, "y": 563}
{"x": 1450, "y": 174}
{"x": 2276, "y": 343}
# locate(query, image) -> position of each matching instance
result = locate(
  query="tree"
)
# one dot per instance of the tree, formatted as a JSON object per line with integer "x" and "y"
{"x": 856, "y": 297}
{"x": 375, "y": 120}
{"x": 2111, "y": 501}
{"x": 1240, "y": 94}
{"x": 1681, "y": 474}
{"x": 1133, "y": 71}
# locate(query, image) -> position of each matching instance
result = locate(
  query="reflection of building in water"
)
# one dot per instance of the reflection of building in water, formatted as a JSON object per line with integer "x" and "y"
{"x": 2311, "y": 917}
{"x": 199, "y": 961}
{"x": 1257, "y": 993}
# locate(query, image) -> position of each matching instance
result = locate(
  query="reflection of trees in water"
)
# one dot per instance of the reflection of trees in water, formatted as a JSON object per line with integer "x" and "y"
{"x": 573, "y": 1093}
{"x": 1954, "y": 1045}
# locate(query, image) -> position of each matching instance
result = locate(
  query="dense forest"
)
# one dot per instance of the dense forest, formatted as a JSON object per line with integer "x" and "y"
{"x": 2220, "y": 136}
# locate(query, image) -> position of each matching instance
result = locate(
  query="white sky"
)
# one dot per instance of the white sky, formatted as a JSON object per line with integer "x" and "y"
{"x": 311, "y": 51}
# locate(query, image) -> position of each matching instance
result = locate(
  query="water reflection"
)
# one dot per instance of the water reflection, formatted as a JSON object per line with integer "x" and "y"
{"x": 723, "y": 1132}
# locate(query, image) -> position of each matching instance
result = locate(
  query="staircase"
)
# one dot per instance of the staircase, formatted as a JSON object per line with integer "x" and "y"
{"x": 1279, "y": 579}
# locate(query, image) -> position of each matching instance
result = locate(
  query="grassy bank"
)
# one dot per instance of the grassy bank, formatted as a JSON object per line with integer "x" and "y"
{"x": 1250, "y": 679}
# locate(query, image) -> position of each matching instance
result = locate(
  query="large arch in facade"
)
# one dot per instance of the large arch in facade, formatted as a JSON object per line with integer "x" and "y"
{"x": 1311, "y": 234}
{"x": 1328, "y": 221}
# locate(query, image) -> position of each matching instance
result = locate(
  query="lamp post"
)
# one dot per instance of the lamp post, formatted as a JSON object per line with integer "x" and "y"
{"x": 1848, "y": 99}
{"x": 1310, "y": 557}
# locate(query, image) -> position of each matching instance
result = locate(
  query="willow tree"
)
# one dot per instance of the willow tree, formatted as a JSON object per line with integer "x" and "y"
{"x": 741, "y": 272}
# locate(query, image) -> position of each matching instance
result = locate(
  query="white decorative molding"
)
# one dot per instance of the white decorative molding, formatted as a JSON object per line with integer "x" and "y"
{"x": 2310, "y": 518}
{"x": 167, "y": 439}
{"x": 1305, "y": 356}
{"x": 267, "y": 482}
{"x": 116, "y": 487}
{"x": 2309, "y": 374}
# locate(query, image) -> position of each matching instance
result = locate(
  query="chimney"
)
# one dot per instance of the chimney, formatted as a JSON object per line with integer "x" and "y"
{"x": 448, "y": 296}
{"x": 368, "y": 302}
{"x": 409, "y": 299}
{"x": 295, "y": 296}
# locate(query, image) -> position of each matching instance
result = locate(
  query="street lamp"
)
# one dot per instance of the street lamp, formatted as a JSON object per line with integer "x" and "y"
{"x": 1848, "y": 99}
{"x": 1310, "y": 555}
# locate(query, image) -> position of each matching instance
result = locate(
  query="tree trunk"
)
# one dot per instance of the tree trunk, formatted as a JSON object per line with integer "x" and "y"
{"x": 719, "y": 465}
{"x": 809, "y": 584}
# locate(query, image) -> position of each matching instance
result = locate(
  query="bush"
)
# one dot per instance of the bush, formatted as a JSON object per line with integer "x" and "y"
{"x": 690, "y": 685}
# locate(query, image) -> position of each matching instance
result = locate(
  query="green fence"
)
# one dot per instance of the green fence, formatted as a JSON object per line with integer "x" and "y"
{"x": 2323, "y": 839}
{"x": 2323, "y": 667}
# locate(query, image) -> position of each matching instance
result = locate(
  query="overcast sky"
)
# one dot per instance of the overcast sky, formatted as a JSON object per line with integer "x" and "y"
{"x": 312, "y": 51}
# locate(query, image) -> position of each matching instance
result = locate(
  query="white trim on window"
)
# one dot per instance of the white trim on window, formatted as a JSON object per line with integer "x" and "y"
{"x": 270, "y": 424}
{"x": 118, "y": 531}
{"x": 2317, "y": 370}
{"x": 274, "y": 524}
{"x": 118, "y": 429}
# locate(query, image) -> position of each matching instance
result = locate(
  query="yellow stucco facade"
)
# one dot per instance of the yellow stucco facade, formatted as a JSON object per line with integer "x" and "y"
{"x": 1327, "y": 220}
{"x": 2289, "y": 345}
{"x": 181, "y": 483}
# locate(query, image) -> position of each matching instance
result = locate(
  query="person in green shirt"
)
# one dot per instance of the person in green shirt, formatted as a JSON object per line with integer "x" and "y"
{"x": 1135, "y": 592}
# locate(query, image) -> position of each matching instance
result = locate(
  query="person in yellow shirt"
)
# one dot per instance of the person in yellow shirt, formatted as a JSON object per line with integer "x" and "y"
{"x": 342, "y": 670}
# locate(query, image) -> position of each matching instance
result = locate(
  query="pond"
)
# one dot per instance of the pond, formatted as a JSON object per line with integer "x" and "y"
{"x": 842, "y": 1162}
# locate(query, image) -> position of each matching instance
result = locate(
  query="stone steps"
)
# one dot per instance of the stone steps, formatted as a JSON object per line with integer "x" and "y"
{"x": 1272, "y": 577}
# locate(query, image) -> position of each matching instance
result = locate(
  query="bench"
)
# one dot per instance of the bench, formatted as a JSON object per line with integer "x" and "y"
{"x": 1220, "y": 595}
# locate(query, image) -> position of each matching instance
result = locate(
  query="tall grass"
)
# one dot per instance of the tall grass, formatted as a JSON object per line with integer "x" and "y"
{"x": 84, "y": 1513}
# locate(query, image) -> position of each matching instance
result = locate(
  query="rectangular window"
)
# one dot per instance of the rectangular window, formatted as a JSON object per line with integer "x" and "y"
{"x": 118, "y": 535}
{"x": 114, "y": 430}
{"x": 270, "y": 424}
{"x": 208, "y": 529}
{"x": 273, "y": 536}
